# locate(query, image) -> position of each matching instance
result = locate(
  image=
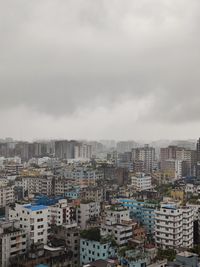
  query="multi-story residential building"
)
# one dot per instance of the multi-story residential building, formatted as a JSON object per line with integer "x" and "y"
{"x": 13, "y": 242}
{"x": 86, "y": 211}
{"x": 93, "y": 250}
{"x": 145, "y": 155}
{"x": 61, "y": 213}
{"x": 83, "y": 151}
{"x": 83, "y": 176}
{"x": 71, "y": 235}
{"x": 198, "y": 160}
{"x": 173, "y": 169}
{"x": 6, "y": 195}
{"x": 92, "y": 193}
{"x": 143, "y": 212}
{"x": 186, "y": 156}
{"x": 174, "y": 226}
{"x": 125, "y": 146}
{"x": 116, "y": 214}
{"x": 121, "y": 232}
{"x": 167, "y": 153}
{"x": 65, "y": 149}
{"x": 36, "y": 184}
{"x": 117, "y": 223}
{"x": 141, "y": 182}
{"x": 34, "y": 220}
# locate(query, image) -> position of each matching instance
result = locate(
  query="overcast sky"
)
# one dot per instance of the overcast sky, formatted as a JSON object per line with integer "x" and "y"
{"x": 122, "y": 69}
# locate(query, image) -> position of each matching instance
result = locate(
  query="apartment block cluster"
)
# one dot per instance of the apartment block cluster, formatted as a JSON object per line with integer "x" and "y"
{"x": 88, "y": 203}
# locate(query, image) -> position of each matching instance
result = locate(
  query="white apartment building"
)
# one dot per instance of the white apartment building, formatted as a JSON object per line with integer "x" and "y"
{"x": 40, "y": 185}
{"x": 122, "y": 233}
{"x": 34, "y": 220}
{"x": 116, "y": 214}
{"x": 6, "y": 195}
{"x": 60, "y": 213}
{"x": 83, "y": 176}
{"x": 87, "y": 210}
{"x": 83, "y": 151}
{"x": 118, "y": 224}
{"x": 13, "y": 242}
{"x": 141, "y": 182}
{"x": 174, "y": 226}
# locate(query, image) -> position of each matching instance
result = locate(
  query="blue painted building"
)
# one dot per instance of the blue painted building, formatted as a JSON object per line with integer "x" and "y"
{"x": 143, "y": 212}
{"x": 73, "y": 194}
{"x": 93, "y": 250}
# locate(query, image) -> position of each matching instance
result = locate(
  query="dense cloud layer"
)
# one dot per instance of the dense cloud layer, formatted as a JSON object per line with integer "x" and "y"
{"x": 85, "y": 63}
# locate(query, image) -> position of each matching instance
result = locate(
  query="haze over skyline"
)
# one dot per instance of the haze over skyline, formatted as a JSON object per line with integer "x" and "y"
{"x": 89, "y": 69}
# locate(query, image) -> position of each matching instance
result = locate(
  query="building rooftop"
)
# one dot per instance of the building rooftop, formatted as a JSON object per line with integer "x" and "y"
{"x": 35, "y": 207}
{"x": 187, "y": 254}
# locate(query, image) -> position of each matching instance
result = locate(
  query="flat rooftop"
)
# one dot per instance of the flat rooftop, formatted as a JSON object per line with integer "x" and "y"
{"x": 35, "y": 207}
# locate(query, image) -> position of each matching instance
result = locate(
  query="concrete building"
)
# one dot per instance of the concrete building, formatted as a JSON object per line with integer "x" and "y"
{"x": 92, "y": 193}
{"x": 143, "y": 212}
{"x": 36, "y": 184}
{"x": 186, "y": 156}
{"x": 71, "y": 235}
{"x": 145, "y": 155}
{"x": 34, "y": 220}
{"x": 116, "y": 214}
{"x": 198, "y": 160}
{"x": 185, "y": 259}
{"x": 65, "y": 149}
{"x": 141, "y": 182}
{"x": 174, "y": 226}
{"x": 88, "y": 210}
{"x": 173, "y": 169}
{"x": 6, "y": 195}
{"x": 125, "y": 146}
{"x": 121, "y": 233}
{"x": 118, "y": 224}
{"x": 82, "y": 151}
{"x": 13, "y": 242}
{"x": 167, "y": 153}
{"x": 61, "y": 213}
{"x": 94, "y": 250}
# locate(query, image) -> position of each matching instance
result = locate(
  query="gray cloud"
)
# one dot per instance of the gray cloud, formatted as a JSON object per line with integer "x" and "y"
{"x": 61, "y": 57}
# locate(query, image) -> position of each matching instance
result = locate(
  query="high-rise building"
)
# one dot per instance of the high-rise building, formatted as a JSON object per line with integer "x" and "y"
{"x": 198, "y": 160}
{"x": 125, "y": 146}
{"x": 82, "y": 151}
{"x": 65, "y": 149}
{"x": 174, "y": 226}
{"x": 146, "y": 157}
{"x": 165, "y": 154}
{"x": 185, "y": 156}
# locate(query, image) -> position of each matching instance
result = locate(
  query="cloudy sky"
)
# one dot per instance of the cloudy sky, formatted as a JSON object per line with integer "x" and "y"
{"x": 122, "y": 69}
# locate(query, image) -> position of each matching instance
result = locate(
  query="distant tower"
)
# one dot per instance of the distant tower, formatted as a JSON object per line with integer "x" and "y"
{"x": 198, "y": 160}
